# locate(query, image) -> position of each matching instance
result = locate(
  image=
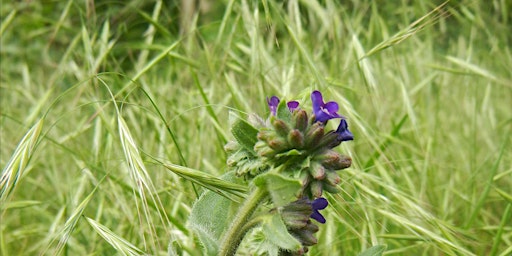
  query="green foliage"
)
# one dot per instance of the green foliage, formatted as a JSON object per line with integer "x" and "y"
{"x": 283, "y": 112}
{"x": 245, "y": 134}
{"x": 275, "y": 231}
{"x": 376, "y": 250}
{"x": 208, "y": 219}
{"x": 282, "y": 190}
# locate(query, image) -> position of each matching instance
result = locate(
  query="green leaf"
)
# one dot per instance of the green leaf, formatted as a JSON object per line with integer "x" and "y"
{"x": 245, "y": 134}
{"x": 283, "y": 112}
{"x": 265, "y": 244}
{"x": 210, "y": 217}
{"x": 208, "y": 220}
{"x": 376, "y": 250}
{"x": 282, "y": 190}
{"x": 275, "y": 231}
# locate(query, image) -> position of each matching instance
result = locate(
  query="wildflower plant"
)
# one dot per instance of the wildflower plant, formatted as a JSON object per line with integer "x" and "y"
{"x": 287, "y": 162}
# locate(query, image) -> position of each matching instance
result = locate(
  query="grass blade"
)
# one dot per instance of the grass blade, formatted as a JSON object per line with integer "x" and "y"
{"x": 489, "y": 184}
{"x": 14, "y": 169}
{"x": 122, "y": 245}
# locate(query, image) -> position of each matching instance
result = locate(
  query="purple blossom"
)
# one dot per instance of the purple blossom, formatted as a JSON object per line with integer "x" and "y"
{"x": 273, "y": 102}
{"x": 343, "y": 133}
{"x": 292, "y": 105}
{"x": 323, "y": 111}
{"x": 318, "y": 204}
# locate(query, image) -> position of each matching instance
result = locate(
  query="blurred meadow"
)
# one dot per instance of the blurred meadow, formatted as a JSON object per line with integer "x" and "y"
{"x": 97, "y": 95}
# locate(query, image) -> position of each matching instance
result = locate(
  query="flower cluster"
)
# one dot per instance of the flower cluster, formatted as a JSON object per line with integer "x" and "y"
{"x": 302, "y": 143}
{"x": 297, "y": 217}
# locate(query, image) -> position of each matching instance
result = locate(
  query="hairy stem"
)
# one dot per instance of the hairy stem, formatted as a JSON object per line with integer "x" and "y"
{"x": 236, "y": 232}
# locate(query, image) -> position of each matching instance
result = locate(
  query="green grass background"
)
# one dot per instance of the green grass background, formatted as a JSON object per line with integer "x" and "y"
{"x": 426, "y": 88}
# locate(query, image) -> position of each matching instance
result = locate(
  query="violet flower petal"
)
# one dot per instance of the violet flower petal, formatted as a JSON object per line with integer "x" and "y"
{"x": 318, "y": 204}
{"x": 292, "y": 105}
{"x": 272, "y": 104}
{"x": 343, "y": 133}
{"x": 316, "y": 98}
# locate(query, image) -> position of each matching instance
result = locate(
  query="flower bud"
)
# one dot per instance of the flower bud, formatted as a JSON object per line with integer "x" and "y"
{"x": 313, "y": 136}
{"x": 295, "y": 220}
{"x": 331, "y": 189}
{"x": 345, "y": 162}
{"x": 305, "y": 236}
{"x": 333, "y": 160}
{"x": 296, "y": 214}
{"x": 281, "y": 127}
{"x": 317, "y": 171}
{"x": 301, "y": 120}
{"x": 263, "y": 149}
{"x": 296, "y": 139}
{"x": 329, "y": 140}
{"x": 266, "y": 134}
{"x": 316, "y": 188}
{"x": 237, "y": 157}
{"x": 231, "y": 162}
{"x": 304, "y": 177}
{"x": 332, "y": 178}
{"x": 278, "y": 144}
{"x": 231, "y": 146}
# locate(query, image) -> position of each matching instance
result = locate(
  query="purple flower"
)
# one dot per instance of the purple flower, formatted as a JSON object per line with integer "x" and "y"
{"x": 292, "y": 105}
{"x": 318, "y": 204}
{"x": 273, "y": 102}
{"x": 343, "y": 133}
{"x": 323, "y": 111}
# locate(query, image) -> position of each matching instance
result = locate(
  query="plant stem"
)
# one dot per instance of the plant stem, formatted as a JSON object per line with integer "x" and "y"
{"x": 235, "y": 233}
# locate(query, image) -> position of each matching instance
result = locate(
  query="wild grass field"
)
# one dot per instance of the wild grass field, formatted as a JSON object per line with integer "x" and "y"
{"x": 96, "y": 95}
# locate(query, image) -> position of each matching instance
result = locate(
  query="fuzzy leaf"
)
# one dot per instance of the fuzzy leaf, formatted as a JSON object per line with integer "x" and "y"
{"x": 282, "y": 190}
{"x": 245, "y": 134}
{"x": 275, "y": 231}
{"x": 208, "y": 220}
{"x": 210, "y": 217}
{"x": 283, "y": 112}
{"x": 374, "y": 251}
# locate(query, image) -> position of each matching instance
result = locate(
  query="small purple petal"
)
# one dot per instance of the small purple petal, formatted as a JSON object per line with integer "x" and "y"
{"x": 293, "y": 105}
{"x": 343, "y": 133}
{"x": 318, "y": 204}
{"x": 316, "y": 98}
{"x": 318, "y": 217}
{"x": 331, "y": 107}
{"x": 272, "y": 104}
